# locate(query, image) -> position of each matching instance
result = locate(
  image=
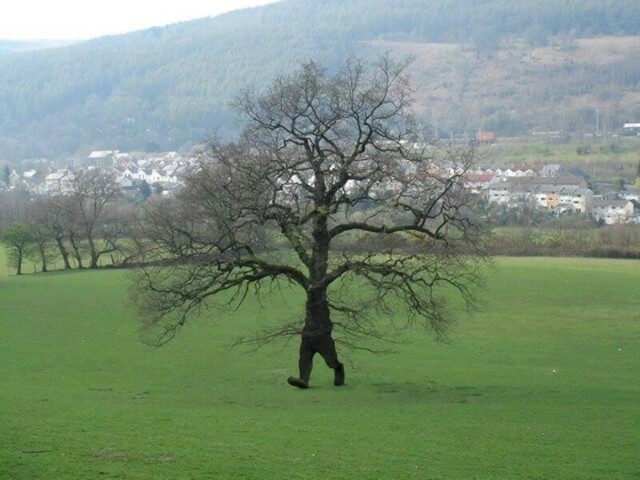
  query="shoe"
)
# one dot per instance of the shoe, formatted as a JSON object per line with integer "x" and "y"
{"x": 338, "y": 379}
{"x": 297, "y": 382}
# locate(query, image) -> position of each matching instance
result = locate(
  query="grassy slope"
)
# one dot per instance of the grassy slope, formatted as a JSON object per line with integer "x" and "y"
{"x": 606, "y": 161}
{"x": 541, "y": 384}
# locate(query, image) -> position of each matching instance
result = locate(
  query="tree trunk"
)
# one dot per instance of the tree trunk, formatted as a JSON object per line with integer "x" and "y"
{"x": 76, "y": 251}
{"x": 19, "y": 263}
{"x": 316, "y": 333}
{"x": 63, "y": 253}
{"x": 43, "y": 259}
{"x": 92, "y": 252}
{"x": 317, "y": 315}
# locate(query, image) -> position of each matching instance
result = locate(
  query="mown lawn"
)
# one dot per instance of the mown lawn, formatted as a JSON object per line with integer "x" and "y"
{"x": 543, "y": 383}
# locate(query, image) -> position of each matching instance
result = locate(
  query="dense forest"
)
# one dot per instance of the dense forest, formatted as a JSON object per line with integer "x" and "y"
{"x": 167, "y": 88}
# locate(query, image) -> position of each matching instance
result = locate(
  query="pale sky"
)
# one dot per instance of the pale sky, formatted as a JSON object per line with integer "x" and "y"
{"x": 84, "y": 19}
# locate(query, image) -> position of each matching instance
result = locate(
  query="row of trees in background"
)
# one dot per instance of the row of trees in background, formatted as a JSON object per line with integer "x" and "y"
{"x": 78, "y": 229}
{"x": 96, "y": 226}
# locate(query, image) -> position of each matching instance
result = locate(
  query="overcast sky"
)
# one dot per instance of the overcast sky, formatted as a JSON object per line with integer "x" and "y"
{"x": 83, "y": 19}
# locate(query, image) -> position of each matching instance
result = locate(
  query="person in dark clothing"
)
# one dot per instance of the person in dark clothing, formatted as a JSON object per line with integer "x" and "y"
{"x": 312, "y": 343}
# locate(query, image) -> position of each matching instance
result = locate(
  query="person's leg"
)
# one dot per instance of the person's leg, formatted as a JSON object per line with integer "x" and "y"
{"x": 338, "y": 375}
{"x": 327, "y": 349}
{"x": 305, "y": 365}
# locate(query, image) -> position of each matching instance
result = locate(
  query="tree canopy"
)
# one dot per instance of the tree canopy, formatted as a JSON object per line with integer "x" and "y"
{"x": 331, "y": 190}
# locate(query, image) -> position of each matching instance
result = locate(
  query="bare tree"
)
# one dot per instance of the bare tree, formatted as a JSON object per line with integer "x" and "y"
{"x": 19, "y": 242}
{"x": 49, "y": 219}
{"x": 330, "y": 190}
{"x": 43, "y": 251}
{"x": 116, "y": 232}
{"x": 56, "y": 217}
{"x": 92, "y": 193}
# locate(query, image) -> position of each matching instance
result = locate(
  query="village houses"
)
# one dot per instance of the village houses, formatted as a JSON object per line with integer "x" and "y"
{"x": 547, "y": 187}
{"x": 559, "y": 194}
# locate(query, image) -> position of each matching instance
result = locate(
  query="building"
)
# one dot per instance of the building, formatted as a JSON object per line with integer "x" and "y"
{"x": 631, "y": 129}
{"x": 612, "y": 212}
{"x": 59, "y": 182}
{"x": 559, "y": 194}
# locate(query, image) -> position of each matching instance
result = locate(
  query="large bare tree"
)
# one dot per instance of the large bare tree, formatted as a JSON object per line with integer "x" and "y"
{"x": 331, "y": 189}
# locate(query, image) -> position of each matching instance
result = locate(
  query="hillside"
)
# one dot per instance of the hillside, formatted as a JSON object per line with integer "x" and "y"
{"x": 587, "y": 85}
{"x": 512, "y": 67}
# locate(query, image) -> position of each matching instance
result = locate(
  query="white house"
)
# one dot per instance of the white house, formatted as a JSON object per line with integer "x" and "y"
{"x": 546, "y": 192}
{"x": 59, "y": 182}
{"x": 478, "y": 182}
{"x": 102, "y": 158}
{"x": 580, "y": 199}
{"x": 551, "y": 170}
{"x": 612, "y": 212}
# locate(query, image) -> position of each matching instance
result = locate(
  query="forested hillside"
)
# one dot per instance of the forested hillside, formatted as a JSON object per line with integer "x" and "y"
{"x": 479, "y": 64}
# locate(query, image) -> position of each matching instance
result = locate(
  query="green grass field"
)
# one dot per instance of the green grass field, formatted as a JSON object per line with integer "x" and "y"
{"x": 543, "y": 383}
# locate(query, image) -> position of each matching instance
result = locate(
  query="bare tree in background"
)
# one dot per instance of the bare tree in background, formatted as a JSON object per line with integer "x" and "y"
{"x": 331, "y": 190}
{"x": 18, "y": 240}
{"x": 49, "y": 217}
{"x": 116, "y": 232}
{"x": 92, "y": 194}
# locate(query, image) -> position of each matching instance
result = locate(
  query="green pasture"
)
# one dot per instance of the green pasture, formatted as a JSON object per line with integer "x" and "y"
{"x": 543, "y": 383}
{"x": 602, "y": 159}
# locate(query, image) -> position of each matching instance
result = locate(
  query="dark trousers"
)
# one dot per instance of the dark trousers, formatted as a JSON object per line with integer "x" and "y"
{"x": 312, "y": 344}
